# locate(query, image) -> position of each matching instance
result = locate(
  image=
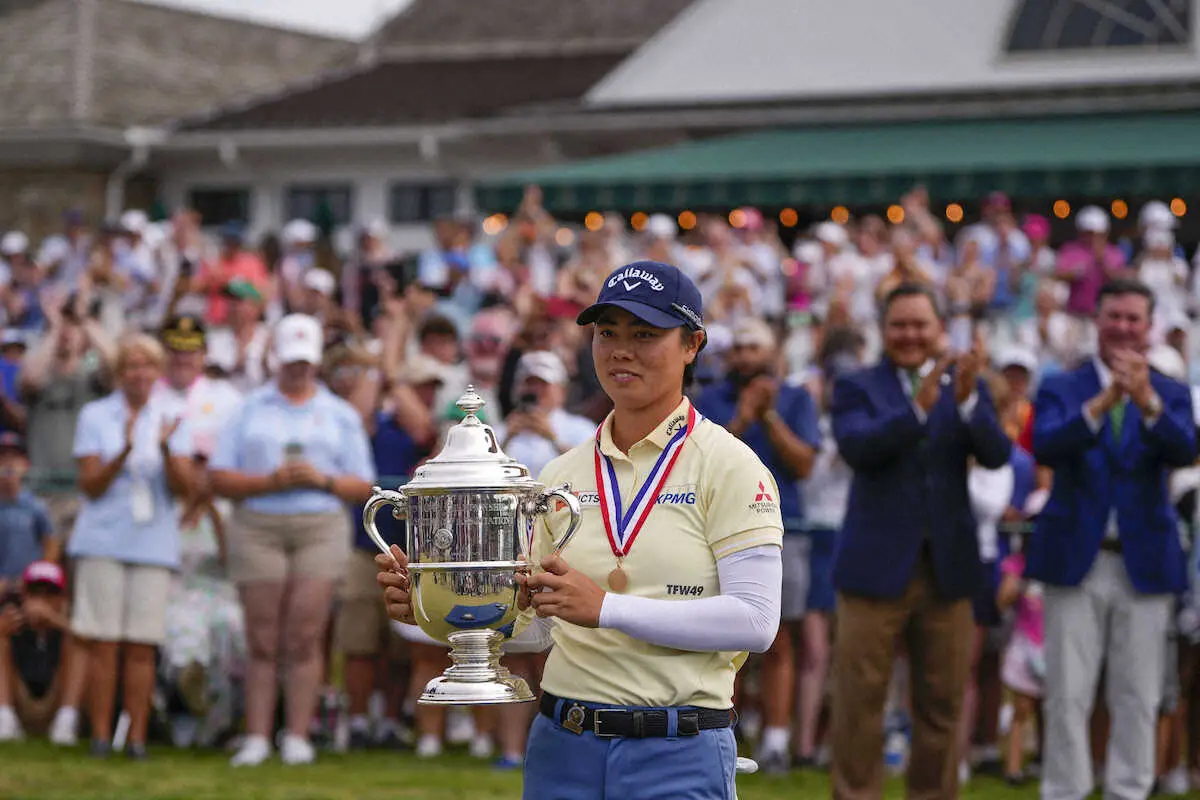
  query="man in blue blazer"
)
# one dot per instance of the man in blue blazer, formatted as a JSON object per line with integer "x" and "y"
{"x": 908, "y": 559}
{"x": 1107, "y": 547}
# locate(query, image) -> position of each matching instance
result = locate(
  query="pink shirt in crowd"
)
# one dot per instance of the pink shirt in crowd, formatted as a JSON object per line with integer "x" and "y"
{"x": 1078, "y": 259}
{"x": 1028, "y": 619}
{"x": 216, "y": 275}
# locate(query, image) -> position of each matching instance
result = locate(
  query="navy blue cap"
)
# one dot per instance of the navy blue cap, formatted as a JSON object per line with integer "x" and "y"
{"x": 232, "y": 230}
{"x": 658, "y": 294}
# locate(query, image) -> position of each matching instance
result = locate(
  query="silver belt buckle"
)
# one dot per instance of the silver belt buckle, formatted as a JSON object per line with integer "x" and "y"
{"x": 596, "y": 722}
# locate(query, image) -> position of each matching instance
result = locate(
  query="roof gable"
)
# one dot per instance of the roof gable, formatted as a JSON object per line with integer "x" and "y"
{"x": 756, "y": 50}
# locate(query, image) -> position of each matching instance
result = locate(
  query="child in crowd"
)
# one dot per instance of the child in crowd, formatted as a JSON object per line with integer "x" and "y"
{"x": 1024, "y": 666}
{"x": 33, "y": 632}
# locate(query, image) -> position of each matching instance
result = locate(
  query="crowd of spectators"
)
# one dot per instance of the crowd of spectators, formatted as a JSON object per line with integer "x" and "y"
{"x": 191, "y": 421}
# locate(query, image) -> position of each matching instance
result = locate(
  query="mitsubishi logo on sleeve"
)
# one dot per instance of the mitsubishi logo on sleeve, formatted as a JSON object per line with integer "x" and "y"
{"x": 763, "y": 503}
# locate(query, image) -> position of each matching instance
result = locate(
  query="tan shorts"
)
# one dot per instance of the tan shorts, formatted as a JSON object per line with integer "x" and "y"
{"x": 270, "y": 548}
{"x": 118, "y": 602}
{"x": 362, "y": 627}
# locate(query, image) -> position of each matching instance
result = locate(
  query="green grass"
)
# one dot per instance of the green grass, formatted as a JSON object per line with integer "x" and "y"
{"x": 30, "y": 771}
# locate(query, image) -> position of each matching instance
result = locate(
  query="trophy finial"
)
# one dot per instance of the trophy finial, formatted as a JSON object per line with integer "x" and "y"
{"x": 470, "y": 403}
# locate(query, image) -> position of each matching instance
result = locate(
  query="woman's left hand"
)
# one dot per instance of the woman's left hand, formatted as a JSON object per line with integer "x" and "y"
{"x": 167, "y": 430}
{"x": 565, "y": 593}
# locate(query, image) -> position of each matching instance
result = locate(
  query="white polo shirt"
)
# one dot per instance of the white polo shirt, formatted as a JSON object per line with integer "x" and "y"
{"x": 718, "y": 500}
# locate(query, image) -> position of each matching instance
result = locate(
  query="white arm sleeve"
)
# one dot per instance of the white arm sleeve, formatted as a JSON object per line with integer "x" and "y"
{"x": 745, "y": 616}
{"x": 412, "y": 633}
{"x": 535, "y": 638}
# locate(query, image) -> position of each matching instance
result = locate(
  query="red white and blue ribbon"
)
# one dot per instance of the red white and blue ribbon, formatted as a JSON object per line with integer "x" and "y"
{"x": 623, "y": 526}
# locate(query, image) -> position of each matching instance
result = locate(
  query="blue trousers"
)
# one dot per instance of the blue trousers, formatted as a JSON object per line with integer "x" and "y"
{"x": 561, "y": 765}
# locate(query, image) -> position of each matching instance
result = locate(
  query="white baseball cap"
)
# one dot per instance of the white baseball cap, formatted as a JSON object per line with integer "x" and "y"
{"x": 14, "y": 243}
{"x": 1092, "y": 219}
{"x": 1018, "y": 357}
{"x": 299, "y": 231}
{"x": 660, "y": 226}
{"x": 298, "y": 338}
{"x": 1156, "y": 214}
{"x": 377, "y": 229}
{"x": 320, "y": 280}
{"x": 542, "y": 364}
{"x": 808, "y": 251}
{"x": 54, "y": 250}
{"x": 754, "y": 332}
{"x": 135, "y": 221}
{"x": 831, "y": 233}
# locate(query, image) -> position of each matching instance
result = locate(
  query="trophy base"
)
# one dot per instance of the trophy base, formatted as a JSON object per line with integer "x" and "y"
{"x": 476, "y": 677}
{"x": 442, "y": 691}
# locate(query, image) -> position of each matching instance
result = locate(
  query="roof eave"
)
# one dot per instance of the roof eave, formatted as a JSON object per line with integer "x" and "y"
{"x": 799, "y": 111}
{"x": 353, "y": 136}
{"x": 109, "y": 137}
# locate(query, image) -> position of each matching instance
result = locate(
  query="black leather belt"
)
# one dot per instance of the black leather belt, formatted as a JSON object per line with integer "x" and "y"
{"x": 1111, "y": 546}
{"x": 632, "y": 724}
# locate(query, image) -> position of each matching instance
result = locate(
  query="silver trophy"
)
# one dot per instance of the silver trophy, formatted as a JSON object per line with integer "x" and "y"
{"x": 470, "y": 515}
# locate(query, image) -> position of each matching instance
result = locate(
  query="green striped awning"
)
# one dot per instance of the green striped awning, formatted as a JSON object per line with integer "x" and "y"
{"x": 1134, "y": 155}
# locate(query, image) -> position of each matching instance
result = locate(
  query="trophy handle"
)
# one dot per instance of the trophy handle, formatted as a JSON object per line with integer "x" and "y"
{"x": 564, "y": 493}
{"x": 379, "y": 499}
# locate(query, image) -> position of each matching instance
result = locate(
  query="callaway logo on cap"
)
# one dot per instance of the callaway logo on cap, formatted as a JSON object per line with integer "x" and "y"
{"x": 658, "y": 294}
{"x": 633, "y": 277}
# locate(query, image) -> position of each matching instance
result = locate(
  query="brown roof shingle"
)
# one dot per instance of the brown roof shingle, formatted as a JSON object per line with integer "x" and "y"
{"x": 407, "y": 92}
{"x": 148, "y": 63}
{"x": 37, "y": 63}
{"x": 430, "y": 23}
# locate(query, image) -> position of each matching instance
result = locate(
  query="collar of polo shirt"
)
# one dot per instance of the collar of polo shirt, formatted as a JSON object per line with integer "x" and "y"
{"x": 659, "y": 437}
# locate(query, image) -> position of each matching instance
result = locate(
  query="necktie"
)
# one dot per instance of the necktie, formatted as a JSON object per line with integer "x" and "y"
{"x": 914, "y": 381}
{"x": 1116, "y": 417}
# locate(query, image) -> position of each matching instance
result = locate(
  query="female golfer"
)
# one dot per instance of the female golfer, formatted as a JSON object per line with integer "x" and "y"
{"x": 672, "y": 577}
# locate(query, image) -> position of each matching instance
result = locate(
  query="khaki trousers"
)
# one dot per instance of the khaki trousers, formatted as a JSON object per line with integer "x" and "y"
{"x": 938, "y": 636}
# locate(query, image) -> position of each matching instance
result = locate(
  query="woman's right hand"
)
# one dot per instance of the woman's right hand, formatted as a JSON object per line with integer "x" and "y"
{"x": 394, "y": 580}
{"x": 130, "y": 424}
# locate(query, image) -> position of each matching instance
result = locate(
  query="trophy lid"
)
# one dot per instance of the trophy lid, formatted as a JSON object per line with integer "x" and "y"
{"x": 470, "y": 457}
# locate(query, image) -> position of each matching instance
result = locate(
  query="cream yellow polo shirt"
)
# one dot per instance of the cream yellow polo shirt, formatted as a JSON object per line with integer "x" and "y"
{"x": 718, "y": 500}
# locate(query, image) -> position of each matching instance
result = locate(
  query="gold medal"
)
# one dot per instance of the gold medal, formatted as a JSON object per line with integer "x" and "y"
{"x": 622, "y": 525}
{"x": 618, "y": 581}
